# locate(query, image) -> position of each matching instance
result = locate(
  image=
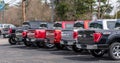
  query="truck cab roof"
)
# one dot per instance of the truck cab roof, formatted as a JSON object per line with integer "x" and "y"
{"x": 105, "y": 24}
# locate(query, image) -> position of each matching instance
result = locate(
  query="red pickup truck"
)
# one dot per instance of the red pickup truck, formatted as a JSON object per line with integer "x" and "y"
{"x": 39, "y": 36}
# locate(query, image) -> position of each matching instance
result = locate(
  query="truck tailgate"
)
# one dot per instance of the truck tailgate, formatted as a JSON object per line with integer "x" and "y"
{"x": 67, "y": 35}
{"x": 85, "y": 36}
{"x": 31, "y": 33}
{"x": 50, "y": 35}
{"x": 18, "y": 33}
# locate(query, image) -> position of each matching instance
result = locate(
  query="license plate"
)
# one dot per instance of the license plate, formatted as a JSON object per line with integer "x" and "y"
{"x": 30, "y": 34}
{"x": 70, "y": 43}
{"x": 32, "y": 40}
{"x": 20, "y": 39}
{"x": 19, "y": 34}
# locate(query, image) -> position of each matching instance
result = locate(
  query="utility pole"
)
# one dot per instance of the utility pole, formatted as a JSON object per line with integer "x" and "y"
{"x": 99, "y": 1}
{"x": 24, "y": 10}
{"x": 52, "y": 14}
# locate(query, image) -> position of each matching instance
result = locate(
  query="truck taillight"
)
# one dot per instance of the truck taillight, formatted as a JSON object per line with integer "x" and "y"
{"x": 36, "y": 34}
{"x": 57, "y": 36}
{"x": 24, "y": 33}
{"x": 10, "y": 31}
{"x": 75, "y": 34}
{"x": 97, "y": 37}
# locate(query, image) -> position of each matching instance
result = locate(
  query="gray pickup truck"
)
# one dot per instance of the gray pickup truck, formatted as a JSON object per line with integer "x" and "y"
{"x": 102, "y": 37}
{"x": 69, "y": 35}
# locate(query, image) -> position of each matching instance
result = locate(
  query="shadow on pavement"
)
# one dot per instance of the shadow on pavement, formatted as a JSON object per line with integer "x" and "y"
{"x": 23, "y": 47}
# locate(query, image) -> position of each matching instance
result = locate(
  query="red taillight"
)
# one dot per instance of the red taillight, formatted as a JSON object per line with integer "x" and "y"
{"x": 75, "y": 34}
{"x": 57, "y": 36}
{"x": 24, "y": 33}
{"x": 36, "y": 34}
{"x": 10, "y": 31}
{"x": 97, "y": 37}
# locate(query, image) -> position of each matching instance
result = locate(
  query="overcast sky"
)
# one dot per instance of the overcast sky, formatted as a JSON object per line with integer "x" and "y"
{"x": 12, "y": 2}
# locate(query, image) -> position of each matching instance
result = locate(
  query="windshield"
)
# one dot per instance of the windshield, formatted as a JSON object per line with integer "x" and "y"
{"x": 96, "y": 25}
{"x": 79, "y": 25}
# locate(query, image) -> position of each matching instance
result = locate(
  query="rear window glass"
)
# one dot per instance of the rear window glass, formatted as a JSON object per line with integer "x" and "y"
{"x": 111, "y": 24}
{"x": 57, "y": 25}
{"x": 96, "y": 25}
{"x": 6, "y": 26}
{"x": 43, "y": 25}
{"x": 117, "y": 25}
{"x": 0, "y": 25}
{"x": 34, "y": 24}
{"x": 69, "y": 26}
{"x": 79, "y": 25}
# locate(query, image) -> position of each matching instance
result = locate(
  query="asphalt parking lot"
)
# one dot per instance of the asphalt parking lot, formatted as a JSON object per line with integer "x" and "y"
{"x": 22, "y": 54}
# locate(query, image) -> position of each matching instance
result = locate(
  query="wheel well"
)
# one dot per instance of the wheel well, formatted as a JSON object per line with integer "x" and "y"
{"x": 114, "y": 40}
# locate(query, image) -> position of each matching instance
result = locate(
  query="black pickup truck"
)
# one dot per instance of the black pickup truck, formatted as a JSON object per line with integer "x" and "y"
{"x": 102, "y": 37}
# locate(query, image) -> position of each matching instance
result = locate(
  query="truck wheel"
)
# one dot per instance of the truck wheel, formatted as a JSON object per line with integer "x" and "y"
{"x": 59, "y": 46}
{"x": 40, "y": 44}
{"x": 0, "y": 33}
{"x": 4, "y": 36}
{"x": 49, "y": 45}
{"x": 114, "y": 51}
{"x": 26, "y": 43}
{"x": 12, "y": 41}
{"x": 75, "y": 49}
{"x": 97, "y": 53}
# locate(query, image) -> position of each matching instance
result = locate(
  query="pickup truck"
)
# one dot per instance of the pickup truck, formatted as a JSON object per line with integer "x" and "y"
{"x": 27, "y": 34}
{"x": 102, "y": 37}
{"x": 40, "y": 36}
{"x": 69, "y": 34}
{"x": 16, "y": 36}
{"x": 59, "y": 34}
{"x": 4, "y": 29}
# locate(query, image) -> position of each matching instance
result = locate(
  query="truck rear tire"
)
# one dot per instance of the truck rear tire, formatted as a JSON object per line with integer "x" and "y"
{"x": 114, "y": 51}
{"x": 40, "y": 44}
{"x": 75, "y": 49}
{"x": 4, "y": 36}
{"x": 26, "y": 43}
{"x": 97, "y": 53}
{"x": 59, "y": 46}
{"x": 12, "y": 41}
